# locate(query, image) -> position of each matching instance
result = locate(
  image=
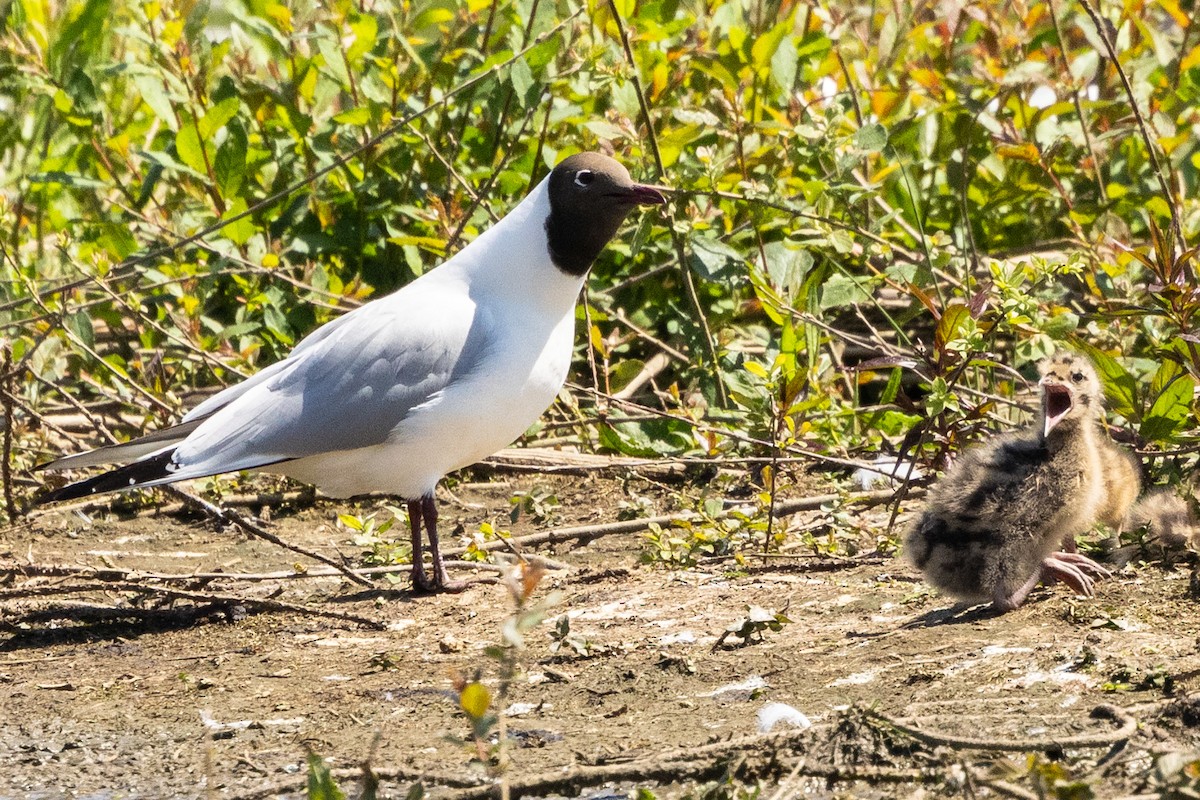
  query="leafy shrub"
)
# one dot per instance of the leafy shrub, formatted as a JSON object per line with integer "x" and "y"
{"x": 877, "y": 215}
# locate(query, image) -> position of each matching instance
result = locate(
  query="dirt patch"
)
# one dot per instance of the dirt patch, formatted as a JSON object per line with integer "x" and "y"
{"x": 183, "y": 699}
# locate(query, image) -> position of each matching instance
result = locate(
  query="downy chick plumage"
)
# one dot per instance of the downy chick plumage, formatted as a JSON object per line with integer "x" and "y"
{"x": 1007, "y": 513}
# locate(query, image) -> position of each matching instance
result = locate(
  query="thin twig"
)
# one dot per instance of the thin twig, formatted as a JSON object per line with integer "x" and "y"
{"x": 117, "y": 574}
{"x": 1151, "y": 151}
{"x": 1128, "y": 728}
{"x": 266, "y": 604}
{"x": 227, "y": 516}
{"x": 685, "y": 271}
{"x": 782, "y": 509}
{"x": 10, "y": 504}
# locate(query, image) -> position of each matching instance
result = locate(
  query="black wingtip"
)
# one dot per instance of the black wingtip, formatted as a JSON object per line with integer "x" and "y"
{"x": 126, "y": 477}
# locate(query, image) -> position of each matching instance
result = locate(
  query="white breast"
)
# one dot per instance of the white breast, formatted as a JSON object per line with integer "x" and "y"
{"x": 518, "y": 377}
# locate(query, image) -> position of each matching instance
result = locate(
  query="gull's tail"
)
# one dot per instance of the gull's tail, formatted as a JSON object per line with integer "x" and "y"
{"x": 149, "y": 471}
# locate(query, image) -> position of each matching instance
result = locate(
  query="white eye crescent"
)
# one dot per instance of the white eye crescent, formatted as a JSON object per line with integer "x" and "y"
{"x": 584, "y": 178}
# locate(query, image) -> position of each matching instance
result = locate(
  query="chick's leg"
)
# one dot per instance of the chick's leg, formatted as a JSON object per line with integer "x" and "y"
{"x": 1004, "y": 601}
{"x": 1075, "y": 570}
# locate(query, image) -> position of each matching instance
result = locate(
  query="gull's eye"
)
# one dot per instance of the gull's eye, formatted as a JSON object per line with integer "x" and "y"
{"x": 584, "y": 178}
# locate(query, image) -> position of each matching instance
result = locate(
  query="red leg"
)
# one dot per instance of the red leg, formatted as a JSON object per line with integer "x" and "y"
{"x": 419, "y": 581}
{"x": 441, "y": 580}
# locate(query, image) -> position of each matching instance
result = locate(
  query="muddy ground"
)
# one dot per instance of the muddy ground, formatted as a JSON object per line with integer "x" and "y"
{"x": 180, "y": 700}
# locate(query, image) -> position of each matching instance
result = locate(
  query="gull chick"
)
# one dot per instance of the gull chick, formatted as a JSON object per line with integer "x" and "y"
{"x": 1006, "y": 515}
{"x": 392, "y": 396}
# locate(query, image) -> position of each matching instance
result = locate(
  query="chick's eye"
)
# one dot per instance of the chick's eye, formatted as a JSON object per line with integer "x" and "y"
{"x": 1077, "y": 377}
{"x": 584, "y": 177}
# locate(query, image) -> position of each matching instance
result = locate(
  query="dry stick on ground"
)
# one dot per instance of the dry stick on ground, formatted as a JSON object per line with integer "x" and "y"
{"x": 573, "y": 780}
{"x": 782, "y": 509}
{"x": 116, "y": 574}
{"x": 686, "y": 763}
{"x": 232, "y": 517}
{"x": 704, "y": 761}
{"x": 302, "y": 498}
{"x": 184, "y": 594}
{"x": 1128, "y": 728}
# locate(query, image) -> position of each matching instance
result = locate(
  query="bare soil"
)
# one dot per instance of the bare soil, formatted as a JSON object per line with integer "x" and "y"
{"x": 184, "y": 699}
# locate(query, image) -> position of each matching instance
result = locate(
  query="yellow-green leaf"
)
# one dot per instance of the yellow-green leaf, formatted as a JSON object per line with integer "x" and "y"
{"x": 475, "y": 699}
{"x": 238, "y": 232}
{"x": 189, "y": 149}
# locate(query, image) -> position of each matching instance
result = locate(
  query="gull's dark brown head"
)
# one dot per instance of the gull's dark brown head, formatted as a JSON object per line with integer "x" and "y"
{"x": 1071, "y": 391}
{"x": 590, "y": 196}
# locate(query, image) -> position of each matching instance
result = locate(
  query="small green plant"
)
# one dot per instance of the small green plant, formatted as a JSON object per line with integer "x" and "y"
{"x": 562, "y": 638}
{"x": 380, "y": 550}
{"x": 480, "y": 704}
{"x": 540, "y": 503}
{"x": 321, "y": 785}
{"x": 636, "y": 507}
{"x": 476, "y": 550}
{"x": 687, "y": 541}
{"x": 753, "y": 627}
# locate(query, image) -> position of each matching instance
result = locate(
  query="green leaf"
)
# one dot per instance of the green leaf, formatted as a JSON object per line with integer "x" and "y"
{"x": 952, "y": 321}
{"x": 216, "y": 118}
{"x": 321, "y": 785}
{"x": 335, "y": 65}
{"x": 521, "y": 77}
{"x": 239, "y": 232}
{"x": 365, "y": 29}
{"x": 893, "y": 386}
{"x": 1170, "y": 409}
{"x": 764, "y": 47}
{"x": 230, "y": 163}
{"x": 189, "y": 149}
{"x": 624, "y": 372}
{"x": 842, "y": 290}
{"x": 355, "y": 116}
{"x": 80, "y": 324}
{"x": 1120, "y": 388}
{"x": 784, "y": 64}
{"x": 150, "y": 87}
{"x": 713, "y": 260}
{"x": 787, "y": 265}
{"x": 872, "y": 137}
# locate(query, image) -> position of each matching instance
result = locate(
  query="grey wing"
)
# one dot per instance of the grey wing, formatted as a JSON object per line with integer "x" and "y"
{"x": 352, "y": 389}
{"x": 167, "y": 437}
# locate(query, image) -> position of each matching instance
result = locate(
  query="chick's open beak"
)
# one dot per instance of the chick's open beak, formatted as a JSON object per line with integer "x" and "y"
{"x": 1056, "y": 403}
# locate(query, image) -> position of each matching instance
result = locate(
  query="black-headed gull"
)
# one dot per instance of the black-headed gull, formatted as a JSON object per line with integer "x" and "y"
{"x": 397, "y": 393}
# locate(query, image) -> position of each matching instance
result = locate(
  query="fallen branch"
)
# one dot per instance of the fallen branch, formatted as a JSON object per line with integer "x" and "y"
{"x": 117, "y": 574}
{"x": 230, "y": 517}
{"x": 782, "y": 509}
{"x": 1128, "y": 727}
{"x": 667, "y": 768}
{"x": 220, "y": 598}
